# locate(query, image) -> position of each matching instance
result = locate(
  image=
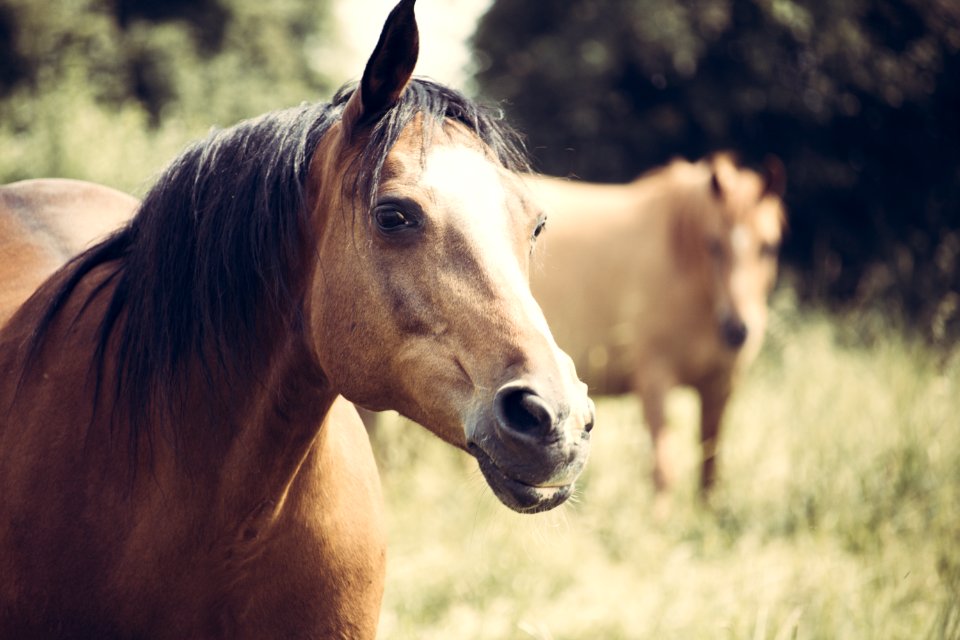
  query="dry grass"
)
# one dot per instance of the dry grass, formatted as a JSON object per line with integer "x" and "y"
{"x": 838, "y": 513}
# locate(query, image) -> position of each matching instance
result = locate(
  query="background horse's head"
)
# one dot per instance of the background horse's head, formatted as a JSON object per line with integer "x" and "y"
{"x": 734, "y": 236}
{"x": 420, "y": 299}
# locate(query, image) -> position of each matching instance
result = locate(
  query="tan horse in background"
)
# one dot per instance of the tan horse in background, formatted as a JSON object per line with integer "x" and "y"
{"x": 663, "y": 282}
{"x": 176, "y": 459}
{"x": 44, "y": 223}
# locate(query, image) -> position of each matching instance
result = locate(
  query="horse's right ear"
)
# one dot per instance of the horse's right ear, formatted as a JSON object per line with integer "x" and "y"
{"x": 388, "y": 70}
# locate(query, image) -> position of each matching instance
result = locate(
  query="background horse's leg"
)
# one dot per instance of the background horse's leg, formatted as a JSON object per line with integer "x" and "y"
{"x": 713, "y": 401}
{"x": 652, "y": 389}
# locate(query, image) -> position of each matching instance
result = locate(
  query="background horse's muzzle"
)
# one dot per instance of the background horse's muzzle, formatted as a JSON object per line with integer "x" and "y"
{"x": 734, "y": 331}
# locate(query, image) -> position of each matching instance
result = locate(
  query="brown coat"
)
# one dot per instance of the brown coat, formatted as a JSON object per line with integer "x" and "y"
{"x": 44, "y": 223}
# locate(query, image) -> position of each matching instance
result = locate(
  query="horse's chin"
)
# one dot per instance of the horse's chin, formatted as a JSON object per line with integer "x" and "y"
{"x": 516, "y": 494}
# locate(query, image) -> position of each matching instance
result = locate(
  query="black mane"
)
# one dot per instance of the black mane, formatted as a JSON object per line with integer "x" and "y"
{"x": 216, "y": 251}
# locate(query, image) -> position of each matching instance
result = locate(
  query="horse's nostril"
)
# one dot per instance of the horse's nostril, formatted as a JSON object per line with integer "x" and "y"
{"x": 588, "y": 427}
{"x": 735, "y": 333}
{"x": 524, "y": 411}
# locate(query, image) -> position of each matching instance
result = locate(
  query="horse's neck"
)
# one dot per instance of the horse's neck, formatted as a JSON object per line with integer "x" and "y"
{"x": 277, "y": 427}
{"x": 232, "y": 442}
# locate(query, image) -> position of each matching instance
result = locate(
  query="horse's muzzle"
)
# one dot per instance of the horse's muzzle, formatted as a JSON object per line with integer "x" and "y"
{"x": 734, "y": 332}
{"x": 530, "y": 448}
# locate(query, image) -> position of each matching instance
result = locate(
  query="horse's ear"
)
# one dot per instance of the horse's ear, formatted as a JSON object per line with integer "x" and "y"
{"x": 774, "y": 176}
{"x": 388, "y": 70}
{"x": 715, "y": 187}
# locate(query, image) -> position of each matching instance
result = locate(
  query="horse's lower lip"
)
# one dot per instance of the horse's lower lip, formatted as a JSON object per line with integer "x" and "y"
{"x": 516, "y": 494}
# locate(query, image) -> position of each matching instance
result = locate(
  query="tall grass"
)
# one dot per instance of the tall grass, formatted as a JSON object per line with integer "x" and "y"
{"x": 837, "y": 514}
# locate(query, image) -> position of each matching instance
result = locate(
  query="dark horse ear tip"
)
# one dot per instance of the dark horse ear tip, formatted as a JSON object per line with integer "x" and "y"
{"x": 402, "y": 11}
{"x": 389, "y": 68}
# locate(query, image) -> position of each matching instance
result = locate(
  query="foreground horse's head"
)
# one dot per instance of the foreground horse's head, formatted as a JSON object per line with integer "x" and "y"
{"x": 387, "y": 236}
{"x": 419, "y": 299}
{"x": 734, "y": 237}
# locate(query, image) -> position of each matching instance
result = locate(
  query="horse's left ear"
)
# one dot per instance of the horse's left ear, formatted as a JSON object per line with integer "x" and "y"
{"x": 388, "y": 70}
{"x": 774, "y": 176}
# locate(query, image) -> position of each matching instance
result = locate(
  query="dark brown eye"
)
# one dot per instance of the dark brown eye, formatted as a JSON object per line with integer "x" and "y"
{"x": 541, "y": 225}
{"x": 769, "y": 250}
{"x": 390, "y": 218}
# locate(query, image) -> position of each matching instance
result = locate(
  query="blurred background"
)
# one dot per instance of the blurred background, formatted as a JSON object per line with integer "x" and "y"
{"x": 838, "y": 514}
{"x": 860, "y": 99}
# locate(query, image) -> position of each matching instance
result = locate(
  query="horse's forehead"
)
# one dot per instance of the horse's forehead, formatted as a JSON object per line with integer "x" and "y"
{"x": 462, "y": 173}
{"x": 458, "y": 175}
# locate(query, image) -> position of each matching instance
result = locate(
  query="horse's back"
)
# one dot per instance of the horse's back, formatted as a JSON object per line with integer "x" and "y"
{"x": 44, "y": 223}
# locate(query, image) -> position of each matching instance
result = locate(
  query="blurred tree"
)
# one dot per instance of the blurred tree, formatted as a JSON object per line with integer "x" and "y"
{"x": 860, "y": 99}
{"x": 219, "y": 56}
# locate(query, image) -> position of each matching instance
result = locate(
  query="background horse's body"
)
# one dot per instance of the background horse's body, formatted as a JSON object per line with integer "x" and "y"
{"x": 44, "y": 223}
{"x": 175, "y": 457}
{"x": 670, "y": 274}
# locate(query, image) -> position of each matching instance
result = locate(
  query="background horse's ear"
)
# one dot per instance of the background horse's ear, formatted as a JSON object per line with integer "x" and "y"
{"x": 774, "y": 176}
{"x": 388, "y": 70}
{"x": 715, "y": 187}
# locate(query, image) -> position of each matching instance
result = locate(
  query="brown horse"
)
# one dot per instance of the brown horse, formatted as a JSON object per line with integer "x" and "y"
{"x": 671, "y": 275}
{"x": 175, "y": 461}
{"x": 44, "y": 223}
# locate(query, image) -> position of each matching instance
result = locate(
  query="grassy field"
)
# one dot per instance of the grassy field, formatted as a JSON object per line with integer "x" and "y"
{"x": 837, "y": 515}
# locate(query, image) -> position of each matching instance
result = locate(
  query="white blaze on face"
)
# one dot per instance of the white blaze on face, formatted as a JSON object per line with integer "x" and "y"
{"x": 746, "y": 278}
{"x": 468, "y": 186}
{"x": 740, "y": 240}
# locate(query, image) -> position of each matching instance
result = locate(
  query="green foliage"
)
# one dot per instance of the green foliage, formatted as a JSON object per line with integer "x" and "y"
{"x": 110, "y": 91}
{"x": 858, "y": 98}
{"x": 837, "y": 516}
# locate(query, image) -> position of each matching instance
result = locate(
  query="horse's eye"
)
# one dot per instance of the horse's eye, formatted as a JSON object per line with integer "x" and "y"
{"x": 541, "y": 225}
{"x": 389, "y": 218}
{"x": 769, "y": 250}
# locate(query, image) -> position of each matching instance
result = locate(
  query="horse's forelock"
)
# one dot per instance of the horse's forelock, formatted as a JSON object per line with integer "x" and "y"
{"x": 434, "y": 104}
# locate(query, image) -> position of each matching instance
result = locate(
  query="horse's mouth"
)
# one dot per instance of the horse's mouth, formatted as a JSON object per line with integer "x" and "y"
{"x": 516, "y": 494}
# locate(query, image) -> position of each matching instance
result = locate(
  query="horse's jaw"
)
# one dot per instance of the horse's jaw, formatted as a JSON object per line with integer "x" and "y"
{"x": 516, "y": 494}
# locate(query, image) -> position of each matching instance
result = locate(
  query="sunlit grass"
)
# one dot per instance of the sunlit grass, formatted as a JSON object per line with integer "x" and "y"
{"x": 837, "y": 515}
